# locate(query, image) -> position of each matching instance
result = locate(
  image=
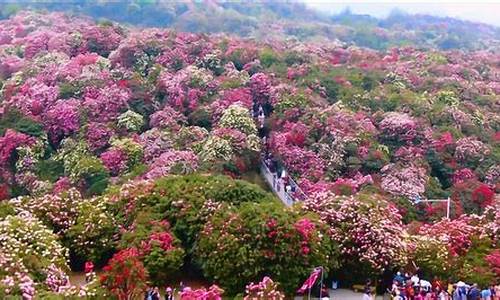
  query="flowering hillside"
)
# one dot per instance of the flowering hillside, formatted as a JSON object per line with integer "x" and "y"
{"x": 271, "y": 20}
{"x": 111, "y": 138}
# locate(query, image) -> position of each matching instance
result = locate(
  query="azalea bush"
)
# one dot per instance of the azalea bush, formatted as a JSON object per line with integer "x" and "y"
{"x": 29, "y": 250}
{"x": 92, "y": 236}
{"x": 367, "y": 228}
{"x": 259, "y": 239}
{"x": 58, "y": 211}
{"x": 265, "y": 289}
{"x": 213, "y": 293}
{"x": 124, "y": 276}
{"x": 159, "y": 249}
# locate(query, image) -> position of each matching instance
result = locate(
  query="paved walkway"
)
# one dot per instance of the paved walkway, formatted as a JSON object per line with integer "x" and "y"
{"x": 342, "y": 294}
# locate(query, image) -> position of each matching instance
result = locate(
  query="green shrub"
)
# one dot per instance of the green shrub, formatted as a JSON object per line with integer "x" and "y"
{"x": 14, "y": 119}
{"x": 244, "y": 244}
{"x": 268, "y": 57}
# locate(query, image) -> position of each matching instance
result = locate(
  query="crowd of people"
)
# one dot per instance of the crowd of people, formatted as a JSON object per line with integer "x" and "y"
{"x": 153, "y": 293}
{"x": 411, "y": 287}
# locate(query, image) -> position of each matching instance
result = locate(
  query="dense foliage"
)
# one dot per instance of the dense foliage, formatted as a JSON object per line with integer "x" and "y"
{"x": 114, "y": 143}
{"x": 278, "y": 20}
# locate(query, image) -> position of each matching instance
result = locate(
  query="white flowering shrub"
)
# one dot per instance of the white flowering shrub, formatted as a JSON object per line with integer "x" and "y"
{"x": 28, "y": 249}
{"x": 238, "y": 117}
{"x": 131, "y": 121}
{"x": 92, "y": 235}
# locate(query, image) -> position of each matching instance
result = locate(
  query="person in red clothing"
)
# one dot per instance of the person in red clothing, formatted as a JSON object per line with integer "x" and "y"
{"x": 410, "y": 291}
{"x": 437, "y": 284}
{"x": 89, "y": 268}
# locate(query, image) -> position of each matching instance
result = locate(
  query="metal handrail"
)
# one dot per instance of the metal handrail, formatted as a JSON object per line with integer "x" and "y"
{"x": 286, "y": 197}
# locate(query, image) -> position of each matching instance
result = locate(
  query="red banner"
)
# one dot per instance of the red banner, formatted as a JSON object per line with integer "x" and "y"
{"x": 310, "y": 281}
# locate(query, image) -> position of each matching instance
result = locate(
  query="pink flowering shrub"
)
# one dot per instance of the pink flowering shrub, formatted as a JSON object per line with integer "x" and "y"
{"x": 56, "y": 210}
{"x": 98, "y": 136}
{"x": 240, "y": 96}
{"x": 213, "y": 293}
{"x": 105, "y": 104}
{"x": 154, "y": 143}
{"x": 167, "y": 118}
{"x": 271, "y": 237}
{"x": 115, "y": 161}
{"x": 493, "y": 260}
{"x": 462, "y": 175}
{"x": 367, "y": 228}
{"x": 266, "y": 289}
{"x": 34, "y": 97}
{"x": 399, "y": 127}
{"x": 456, "y": 234}
{"x": 260, "y": 85}
{"x": 469, "y": 149}
{"x": 9, "y": 142}
{"x": 180, "y": 162}
{"x": 63, "y": 119}
{"x": 408, "y": 181}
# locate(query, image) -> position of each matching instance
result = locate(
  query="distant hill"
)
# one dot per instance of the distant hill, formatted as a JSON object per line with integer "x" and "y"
{"x": 279, "y": 20}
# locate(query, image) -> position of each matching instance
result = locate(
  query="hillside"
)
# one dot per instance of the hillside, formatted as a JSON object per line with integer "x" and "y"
{"x": 280, "y": 20}
{"x": 125, "y": 147}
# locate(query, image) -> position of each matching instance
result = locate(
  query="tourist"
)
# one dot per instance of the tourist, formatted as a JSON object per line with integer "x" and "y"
{"x": 436, "y": 283}
{"x": 395, "y": 292}
{"x": 451, "y": 287}
{"x": 155, "y": 295}
{"x": 425, "y": 285}
{"x": 456, "y": 293}
{"x": 410, "y": 291}
{"x": 367, "y": 295}
{"x": 399, "y": 278}
{"x": 496, "y": 293}
{"x": 149, "y": 294}
{"x": 443, "y": 295}
{"x": 169, "y": 294}
{"x": 474, "y": 293}
{"x": 486, "y": 294}
{"x": 89, "y": 268}
{"x": 420, "y": 296}
{"x": 415, "y": 280}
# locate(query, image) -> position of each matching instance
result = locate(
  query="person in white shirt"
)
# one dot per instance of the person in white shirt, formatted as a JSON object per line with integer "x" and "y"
{"x": 415, "y": 280}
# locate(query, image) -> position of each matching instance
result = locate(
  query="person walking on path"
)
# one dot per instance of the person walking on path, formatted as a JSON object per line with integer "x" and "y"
{"x": 367, "y": 295}
{"x": 486, "y": 294}
{"x": 169, "y": 294}
{"x": 155, "y": 295}
{"x": 474, "y": 293}
{"x": 89, "y": 269}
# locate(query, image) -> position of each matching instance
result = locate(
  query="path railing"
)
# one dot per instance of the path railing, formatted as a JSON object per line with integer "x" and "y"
{"x": 288, "y": 197}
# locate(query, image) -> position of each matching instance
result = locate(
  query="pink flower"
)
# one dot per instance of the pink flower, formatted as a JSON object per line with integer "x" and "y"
{"x": 115, "y": 160}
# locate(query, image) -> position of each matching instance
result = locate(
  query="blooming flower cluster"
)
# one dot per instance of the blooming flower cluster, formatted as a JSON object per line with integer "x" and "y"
{"x": 371, "y": 232}
{"x": 213, "y": 293}
{"x": 28, "y": 248}
{"x": 266, "y": 289}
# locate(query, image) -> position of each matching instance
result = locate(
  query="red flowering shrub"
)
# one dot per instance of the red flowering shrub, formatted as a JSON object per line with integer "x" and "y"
{"x": 472, "y": 195}
{"x": 4, "y": 191}
{"x": 8, "y": 144}
{"x": 483, "y": 195}
{"x": 159, "y": 250}
{"x": 124, "y": 275}
{"x": 493, "y": 260}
